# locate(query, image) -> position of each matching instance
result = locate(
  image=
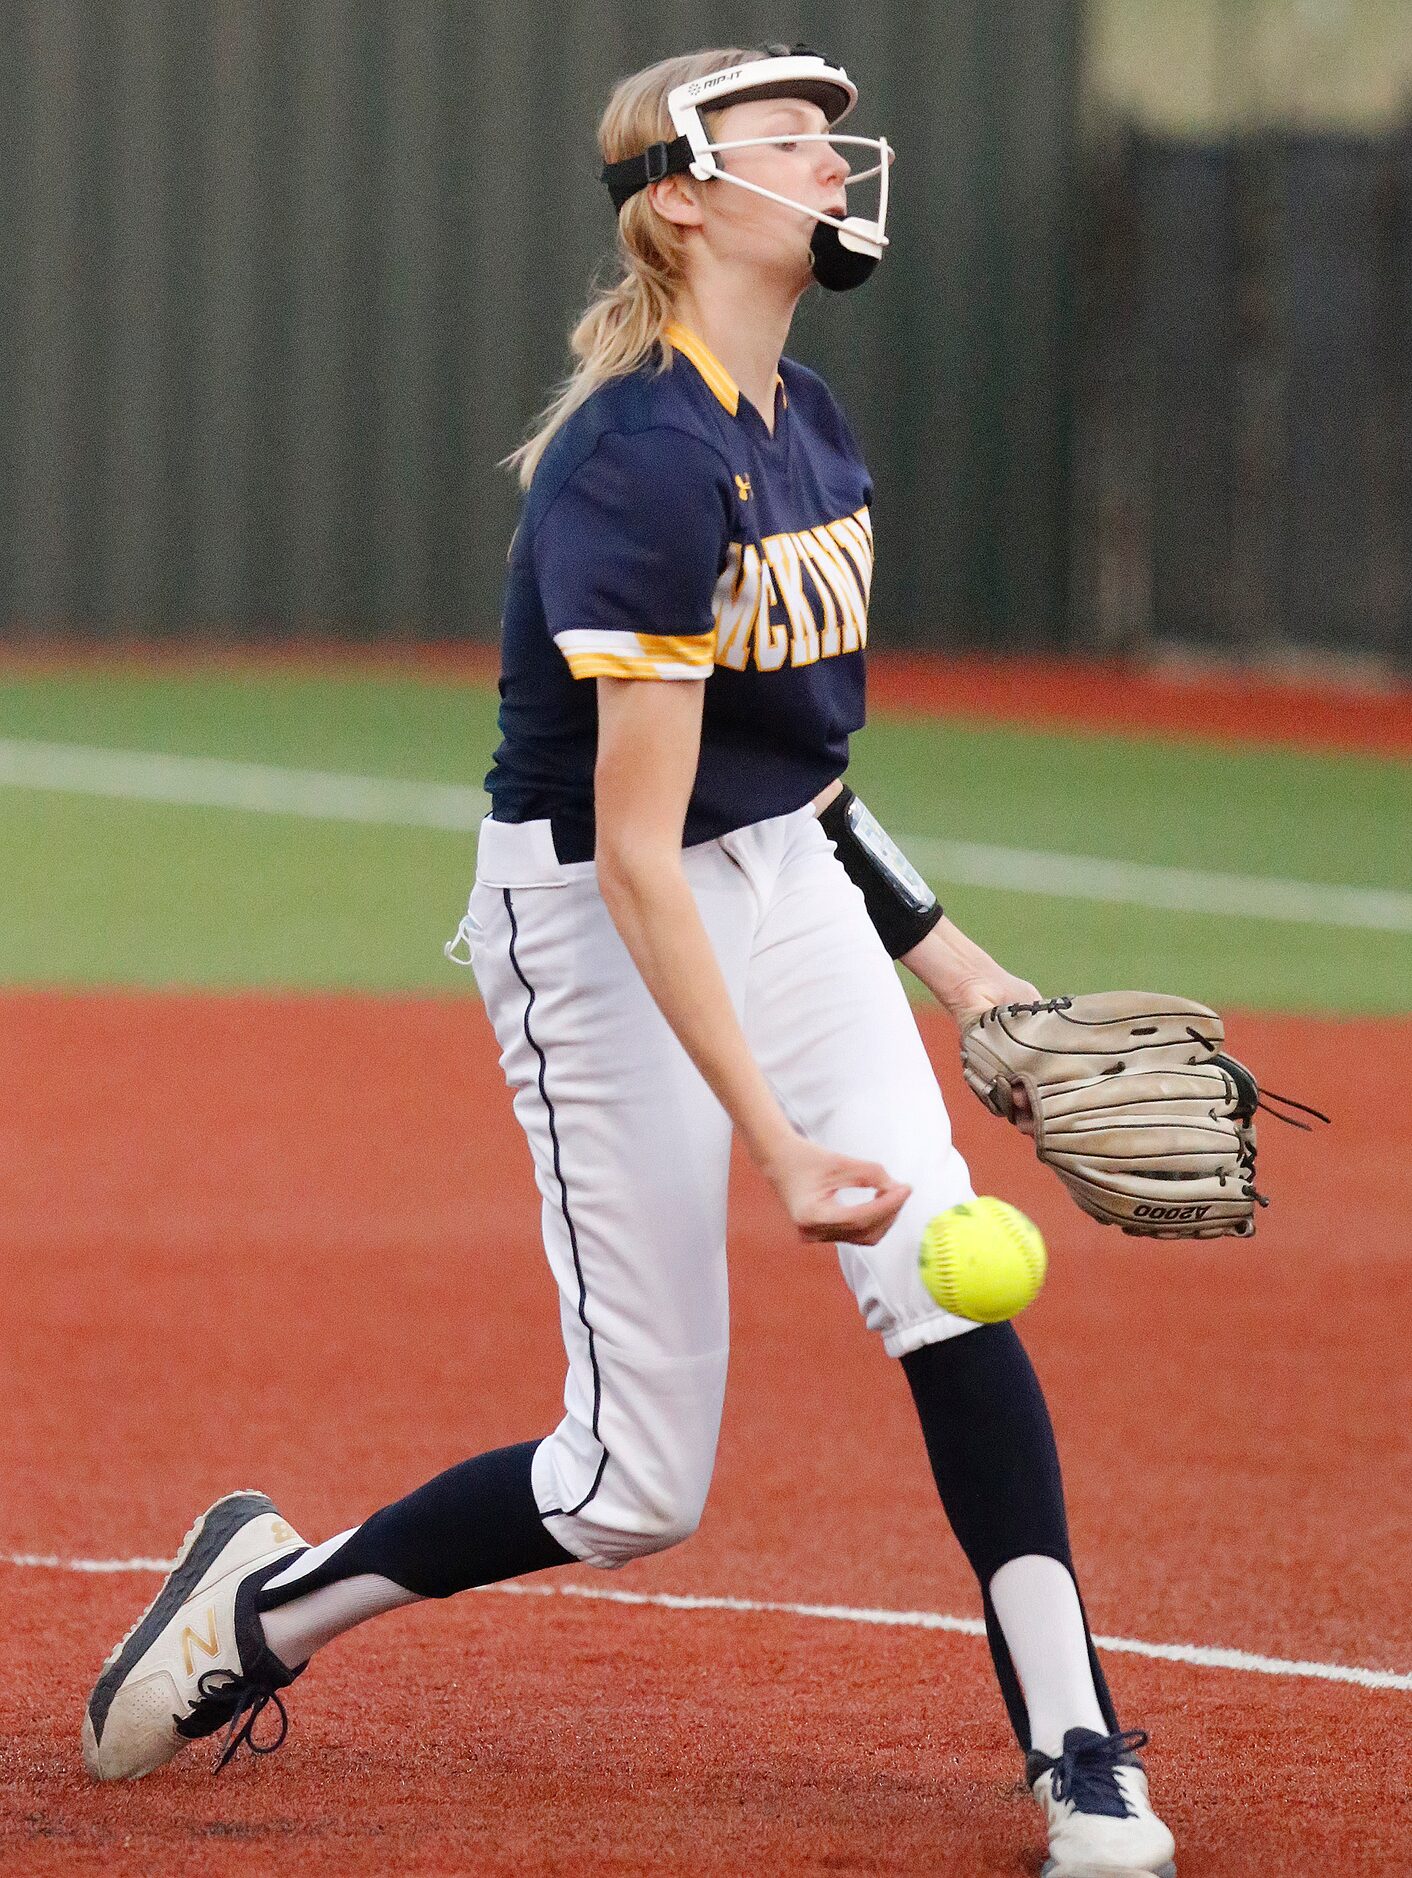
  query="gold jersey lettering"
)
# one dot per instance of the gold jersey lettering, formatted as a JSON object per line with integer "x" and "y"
{"x": 855, "y": 532}
{"x": 771, "y": 638}
{"x": 818, "y": 577}
{"x": 855, "y": 547}
{"x": 836, "y": 567}
{"x": 737, "y": 605}
{"x": 809, "y": 554}
{"x": 783, "y": 554}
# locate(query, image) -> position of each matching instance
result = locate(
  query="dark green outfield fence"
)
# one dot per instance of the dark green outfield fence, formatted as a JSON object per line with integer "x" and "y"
{"x": 1243, "y": 435}
{"x": 281, "y": 279}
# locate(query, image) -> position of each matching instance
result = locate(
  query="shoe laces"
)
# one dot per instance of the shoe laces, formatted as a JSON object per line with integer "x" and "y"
{"x": 1085, "y": 1773}
{"x": 239, "y": 1702}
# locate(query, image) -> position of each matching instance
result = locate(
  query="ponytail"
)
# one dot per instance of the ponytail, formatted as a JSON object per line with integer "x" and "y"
{"x": 624, "y": 323}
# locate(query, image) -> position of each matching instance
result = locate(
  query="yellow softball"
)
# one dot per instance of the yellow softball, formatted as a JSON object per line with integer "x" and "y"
{"x": 983, "y": 1260}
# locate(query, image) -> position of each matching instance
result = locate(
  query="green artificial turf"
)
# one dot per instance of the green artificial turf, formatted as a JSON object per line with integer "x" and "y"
{"x": 116, "y": 892}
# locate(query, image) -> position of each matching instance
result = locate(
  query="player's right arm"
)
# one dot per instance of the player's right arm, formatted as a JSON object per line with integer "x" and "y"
{"x": 649, "y": 739}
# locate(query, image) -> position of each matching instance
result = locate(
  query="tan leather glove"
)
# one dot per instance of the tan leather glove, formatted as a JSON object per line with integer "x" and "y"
{"x": 1147, "y": 1123}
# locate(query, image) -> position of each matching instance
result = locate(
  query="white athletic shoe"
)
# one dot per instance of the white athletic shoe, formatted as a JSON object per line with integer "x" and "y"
{"x": 196, "y": 1659}
{"x": 1101, "y": 1824}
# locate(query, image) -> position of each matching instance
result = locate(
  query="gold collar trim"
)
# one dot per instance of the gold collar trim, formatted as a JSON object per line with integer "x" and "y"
{"x": 722, "y": 385}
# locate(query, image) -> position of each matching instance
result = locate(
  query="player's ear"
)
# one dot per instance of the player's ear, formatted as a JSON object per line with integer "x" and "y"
{"x": 676, "y": 199}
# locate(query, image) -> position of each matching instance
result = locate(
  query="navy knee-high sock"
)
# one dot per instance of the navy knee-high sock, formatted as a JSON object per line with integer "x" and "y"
{"x": 991, "y": 1446}
{"x": 473, "y": 1525}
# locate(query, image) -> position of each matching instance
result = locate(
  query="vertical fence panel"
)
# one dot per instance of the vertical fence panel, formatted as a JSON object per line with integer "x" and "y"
{"x": 227, "y": 262}
{"x": 1032, "y": 291}
{"x": 11, "y": 213}
{"x": 1244, "y": 481}
{"x": 1399, "y": 436}
{"x": 47, "y": 268}
{"x": 1188, "y": 209}
{"x": 410, "y": 301}
{"x": 135, "y": 419}
{"x": 1335, "y": 507}
{"x": 327, "y": 391}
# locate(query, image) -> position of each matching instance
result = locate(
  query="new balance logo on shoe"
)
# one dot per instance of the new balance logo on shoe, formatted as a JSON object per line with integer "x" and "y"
{"x": 207, "y": 1644}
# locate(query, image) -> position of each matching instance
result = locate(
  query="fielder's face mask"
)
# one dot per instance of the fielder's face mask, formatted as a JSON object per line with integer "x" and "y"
{"x": 845, "y": 248}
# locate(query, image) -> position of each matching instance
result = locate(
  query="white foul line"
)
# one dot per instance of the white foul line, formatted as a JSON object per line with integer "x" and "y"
{"x": 1166, "y": 889}
{"x": 386, "y": 801}
{"x": 1199, "y": 1655}
{"x": 210, "y": 782}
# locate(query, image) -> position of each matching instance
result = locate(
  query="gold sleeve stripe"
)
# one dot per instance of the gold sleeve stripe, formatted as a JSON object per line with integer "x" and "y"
{"x": 593, "y": 653}
{"x": 614, "y": 665}
{"x": 687, "y": 649}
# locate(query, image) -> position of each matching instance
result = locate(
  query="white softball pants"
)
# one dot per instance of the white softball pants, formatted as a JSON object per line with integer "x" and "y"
{"x": 631, "y": 1149}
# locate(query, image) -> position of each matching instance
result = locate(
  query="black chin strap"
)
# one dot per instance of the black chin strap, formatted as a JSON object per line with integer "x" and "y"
{"x": 836, "y": 267}
{"x": 624, "y": 179}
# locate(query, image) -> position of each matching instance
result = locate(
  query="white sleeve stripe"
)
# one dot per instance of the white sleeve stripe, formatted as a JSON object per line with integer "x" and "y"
{"x": 595, "y": 639}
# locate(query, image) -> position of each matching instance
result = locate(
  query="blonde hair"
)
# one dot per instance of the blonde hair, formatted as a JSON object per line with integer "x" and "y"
{"x": 625, "y": 320}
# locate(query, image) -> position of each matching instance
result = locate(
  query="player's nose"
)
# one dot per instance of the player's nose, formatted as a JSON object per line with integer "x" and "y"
{"x": 831, "y": 166}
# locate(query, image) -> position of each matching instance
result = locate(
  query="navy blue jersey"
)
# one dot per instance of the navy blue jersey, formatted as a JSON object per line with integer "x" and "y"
{"x": 667, "y": 534}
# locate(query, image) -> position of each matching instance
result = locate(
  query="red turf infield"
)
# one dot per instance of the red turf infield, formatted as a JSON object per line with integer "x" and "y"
{"x": 292, "y": 1243}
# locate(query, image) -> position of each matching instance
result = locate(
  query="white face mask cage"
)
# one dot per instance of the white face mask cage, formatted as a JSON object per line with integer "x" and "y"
{"x": 864, "y": 235}
{"x": 794, "y": 76}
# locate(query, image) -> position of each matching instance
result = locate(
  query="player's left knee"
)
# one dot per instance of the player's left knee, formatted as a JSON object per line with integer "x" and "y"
{"x": 650, "y": 1483}
{"x": 669, "y": 1525}
{"x": 633, "y": 1518}
{"x": 644, "y": 1523}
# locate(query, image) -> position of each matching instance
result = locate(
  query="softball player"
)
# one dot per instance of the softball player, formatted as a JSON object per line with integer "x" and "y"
{"x": 673, "y": 943}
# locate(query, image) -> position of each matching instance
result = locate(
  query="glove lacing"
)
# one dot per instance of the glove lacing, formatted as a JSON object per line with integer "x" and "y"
{"x": 1264, "y": 1097}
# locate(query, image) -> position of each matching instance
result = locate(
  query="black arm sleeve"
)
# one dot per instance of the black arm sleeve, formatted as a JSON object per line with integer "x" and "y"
{"x": 900, "y": 903}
